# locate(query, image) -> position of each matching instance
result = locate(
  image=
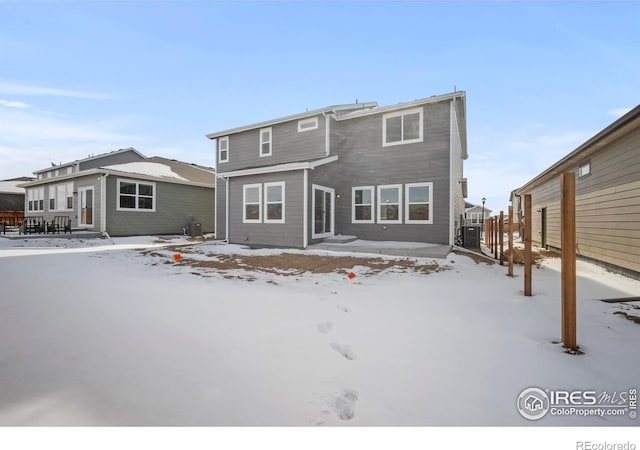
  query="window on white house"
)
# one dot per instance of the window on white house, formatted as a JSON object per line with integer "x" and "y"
{"x": 402, "y": 127}
{"x": 61, "y": 197}
{"x": 584, "y": 169}
{"x": 223, "y": 149}
{"x": 274, "y": 202}
{"x": 251, "y": 203}
{"x": 362, "y": 201}
{"x": 390, "y": 203}
{"x": 265, "y": 142}
{"x": 136, "y": 196}
{"x": 307, "y": 124}
{"x": 35, "y": 199}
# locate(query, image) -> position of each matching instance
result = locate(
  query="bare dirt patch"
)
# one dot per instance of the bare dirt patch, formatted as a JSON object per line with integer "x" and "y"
{"x": 294, "y": 263}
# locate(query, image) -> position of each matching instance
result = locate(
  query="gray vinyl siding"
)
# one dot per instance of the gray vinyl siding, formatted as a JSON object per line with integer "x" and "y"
{"x": 110, "y": 160}
{"x": 363, "y": 161}
{"x": 221, "y": 208}
{"x": 607, "y": 206}
{"x": 287, "y": 145}
{"x": 288, "y": 234}
{"x": 176, "y": 204}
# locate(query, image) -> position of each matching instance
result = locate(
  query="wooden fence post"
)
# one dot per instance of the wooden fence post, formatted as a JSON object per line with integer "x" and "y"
{"x": 527, "y": 245}
{"x": 501, "y": 237}
{"x": 568, "y": 242}
{"x": 510, "y": 219}
{"x": 495, "y": 237}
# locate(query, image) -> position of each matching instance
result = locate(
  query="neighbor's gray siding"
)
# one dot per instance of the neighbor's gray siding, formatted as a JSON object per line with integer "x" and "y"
{"x": 363, "y": 161}
{"x": 288, "y": 234}
{"x": 110, "y": 160}
{"x": 287, "y": 145}
{"x": 80, "y": 182}
{"x": 176, "y": 204}
{"x": 607, "y": 206}
{"x": 221, "y": 208}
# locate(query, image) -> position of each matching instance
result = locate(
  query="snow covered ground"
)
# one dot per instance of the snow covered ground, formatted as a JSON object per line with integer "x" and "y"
{"x": 100, "y": 332}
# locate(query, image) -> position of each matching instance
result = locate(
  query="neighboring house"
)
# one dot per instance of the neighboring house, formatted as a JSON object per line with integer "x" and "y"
{"x": 124, "y": 193}
{"x": 607, "y": 169}
{"x": 379, "y": 173}
{"x": 474, "y": 214}
{"x": 12, "y": 200}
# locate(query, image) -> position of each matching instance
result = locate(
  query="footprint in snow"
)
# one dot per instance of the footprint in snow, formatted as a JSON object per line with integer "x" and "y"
{"x": 325, "y": 327}
{"x": 344, "y": 350}
{"x": 344, "y": 404}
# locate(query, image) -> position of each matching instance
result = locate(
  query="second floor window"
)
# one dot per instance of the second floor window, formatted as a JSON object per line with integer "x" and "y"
{"x": 223, "y": 149}
{"x": 265, "y": 142}
{"x": 402, "y": 127}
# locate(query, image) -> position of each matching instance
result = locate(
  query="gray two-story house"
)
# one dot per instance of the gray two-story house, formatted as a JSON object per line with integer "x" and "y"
{"x": 390, "y": 173}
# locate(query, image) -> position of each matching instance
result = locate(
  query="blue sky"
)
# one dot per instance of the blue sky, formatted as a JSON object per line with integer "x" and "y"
{"x": 88, "y": 77}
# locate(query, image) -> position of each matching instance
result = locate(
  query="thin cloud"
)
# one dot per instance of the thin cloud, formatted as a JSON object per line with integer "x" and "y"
{"x": 619, "y": 112}
{"x": 12, "y": 88}
{"x": 14, "y": 104}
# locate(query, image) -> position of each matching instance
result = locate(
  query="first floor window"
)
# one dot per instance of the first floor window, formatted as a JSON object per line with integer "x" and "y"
{"x": 390, "y": 203}
{"x": 362, "y": 201}
{"x": 35, "y": 199}
{"x": 419, "y": 199}
{"x": 274, "y": 202}
{"x": 61, "y": 197}
{"x": 136, "y": 195}
{"x": 252, "y": 203}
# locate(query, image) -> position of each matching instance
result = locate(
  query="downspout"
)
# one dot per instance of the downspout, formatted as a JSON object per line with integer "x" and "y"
{"x": 305, "y": 205}
{"x": 103, "y": 205}
{"x": 226, "y": 205}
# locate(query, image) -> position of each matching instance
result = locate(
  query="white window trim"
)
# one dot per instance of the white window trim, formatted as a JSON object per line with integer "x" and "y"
{"x": 244, "y": 203}
{"x": 303, "y": 122}
{"x": 154, "y": 197}
{"x": 261, "y": 142}
{"x": 35, "y": 196}
{"x": 380, "y": 204}
{"x": 581, "y": 172}
{"x": 406, "y": 199}
{"x": 220, "y": 141}
{"x": 266, "y": 202}
{"x": 68, "y": 193}
{"x": 402, "y": 113}
{"x": 353, "y": 204}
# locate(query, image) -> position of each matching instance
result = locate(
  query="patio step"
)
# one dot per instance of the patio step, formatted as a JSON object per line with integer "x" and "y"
{"x": 340, "y": 239}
